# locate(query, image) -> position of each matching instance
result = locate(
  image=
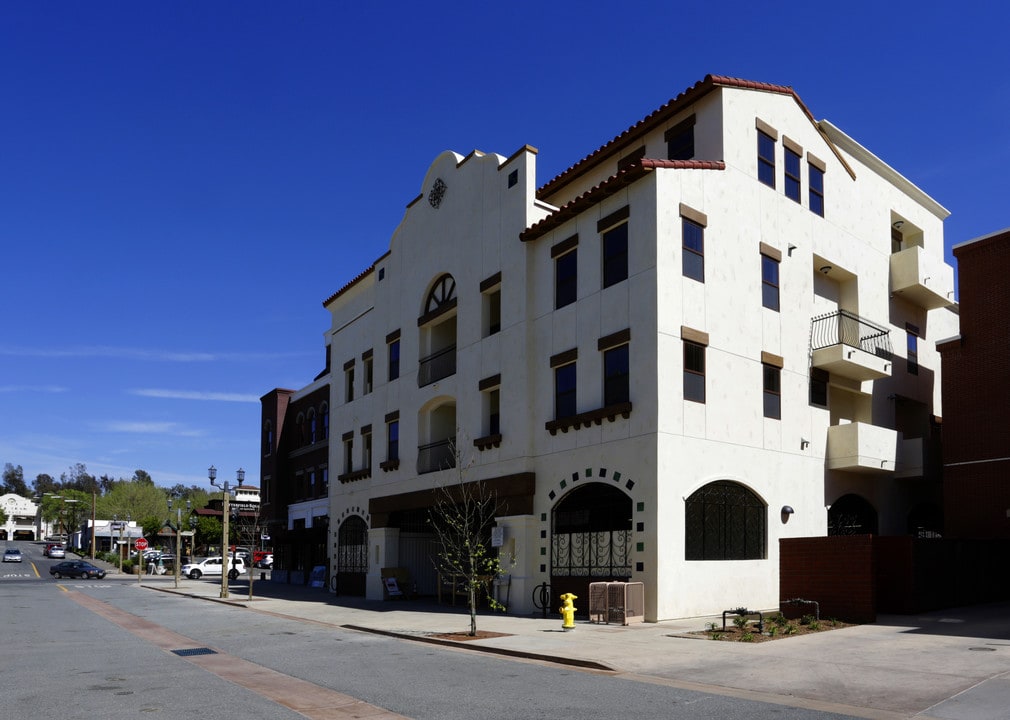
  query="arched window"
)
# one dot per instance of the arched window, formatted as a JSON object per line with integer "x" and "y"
{"x": 725, "y": 521}
{"x": 312, "y": 427}
{"x": 442, "y": 292}
{"x": 325, "y": 412}
{"x": 852, "y": 515}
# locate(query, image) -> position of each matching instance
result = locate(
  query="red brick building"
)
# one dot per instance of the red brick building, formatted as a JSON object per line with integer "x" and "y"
{"x": 976, "y": 395}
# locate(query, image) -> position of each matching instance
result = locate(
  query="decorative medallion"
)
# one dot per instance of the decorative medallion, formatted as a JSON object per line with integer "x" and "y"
{"x": 437, "y": 193}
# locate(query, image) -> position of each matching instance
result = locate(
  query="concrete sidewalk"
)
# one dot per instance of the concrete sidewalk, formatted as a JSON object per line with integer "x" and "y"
{"x": 951, "y": 665}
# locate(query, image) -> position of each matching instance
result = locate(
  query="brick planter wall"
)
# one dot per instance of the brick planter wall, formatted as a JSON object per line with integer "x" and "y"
{"x": 838, "y": 572}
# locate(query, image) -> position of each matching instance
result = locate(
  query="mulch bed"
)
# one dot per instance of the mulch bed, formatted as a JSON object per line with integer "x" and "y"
{"x": 750, "y": 633}
{"x": 464, "y": 636}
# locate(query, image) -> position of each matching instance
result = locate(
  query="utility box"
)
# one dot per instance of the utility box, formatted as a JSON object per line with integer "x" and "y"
{"x": 617, "y": 602}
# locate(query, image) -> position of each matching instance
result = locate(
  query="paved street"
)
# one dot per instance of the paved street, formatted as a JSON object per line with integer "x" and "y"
{"x": 114, "y": 645}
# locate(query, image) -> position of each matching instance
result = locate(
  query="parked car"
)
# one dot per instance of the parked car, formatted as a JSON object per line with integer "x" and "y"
{"x": 57, "y": 551}
{"x": 12, "y": 554}
{"x": 75, "y": 569}
{"x": 266, "y": 561}
{"x": 212, "y": 566}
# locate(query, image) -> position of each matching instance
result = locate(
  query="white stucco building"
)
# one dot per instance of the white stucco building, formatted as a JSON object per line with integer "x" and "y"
{"x": 23, "y": 522}
{"x": 713, "y": 332}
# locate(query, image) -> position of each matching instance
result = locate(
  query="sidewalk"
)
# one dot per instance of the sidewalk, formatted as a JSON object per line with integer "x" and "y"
{"x": 951, "y": 665}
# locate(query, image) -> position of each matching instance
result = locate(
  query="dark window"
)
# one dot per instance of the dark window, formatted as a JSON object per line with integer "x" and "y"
{"x": 616, "y": 374}
{"x": 494, "y": 412}
{"x": 694, "y": 249}
{"x": 349, "y": 384}
{"x": 393, "y": 440}
{"x": 564, "y": 391}
{"x": 313, "y": 427}
{"x": 694, "y": 372}
{"x": 615, "y": 255}
{"x": 348, "y": 456}
{"x": 394, "y": 360}
{"x": 268, "y": 438}
{"x": 816, "y": 190}
{"x": 513, "y": 177}
{"x": 725, "y": 521}
{"x": 792, "y": 175}
{"x": 772, "y": 392}
{"x": 770, "y": 282}
{"x": 565, "y": 279}
{"x": 368, "y": 376}
{"x": 493, "y": 311}
{"x": 366, "y": 441}
{"x": 912, "y": 345}
{"x": 766, "y": 159}
{"x": 680, "y": 145}
{"x": 819, "y": 387}
{"x": 325, "y": 410}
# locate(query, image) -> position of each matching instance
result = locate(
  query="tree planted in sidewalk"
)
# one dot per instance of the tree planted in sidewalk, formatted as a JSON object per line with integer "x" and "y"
{"x": 461, "y": 518}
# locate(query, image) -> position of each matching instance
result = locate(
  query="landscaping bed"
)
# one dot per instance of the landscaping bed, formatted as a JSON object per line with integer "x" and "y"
{"x": 776, "y": 627}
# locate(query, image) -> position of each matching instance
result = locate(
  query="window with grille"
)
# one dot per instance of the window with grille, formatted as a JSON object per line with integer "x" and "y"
{"x": 725, "y": 521}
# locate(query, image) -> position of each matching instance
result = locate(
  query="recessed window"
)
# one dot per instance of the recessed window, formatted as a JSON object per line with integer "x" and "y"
{"x": 694, "y": 249}
{"x": 816, "y": 189}
{"x": 394, "y": 359}
{"x": 772, "y": 394}
{"x": 349, "y": 381}
{"x": 313, "y": 427}
{"x": 792, "y": 170}
{"x": 912, "y": 347}
{"x": 725, "y": 521}
{"x": 349, "y": 455}
{"x": 513, "y": 178}
{"x": 770, "y": 283}
{"x": 494, "y": 412}
{"x": 694, "y": 372}
{"x": 492, "y": 304}
{"x": 393, "y": 440}
{"x": 366, "y": 450}
{"x": 565, "y": 278}
{"x": 766, "y": 159}
{"x": 680, "y": 140}
{"x": 367, "y": 362}
{"x": 268, "y": 438}
{"x": 324, "y": 411}
{"x": 615, "y": 255}
{"x": 564, "y": 391}
{"x": 819, "y": 387}
{"x": 616, "y": 375}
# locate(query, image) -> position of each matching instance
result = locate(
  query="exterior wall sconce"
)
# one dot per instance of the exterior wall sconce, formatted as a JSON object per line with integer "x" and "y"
{"x": 804, "y": 444}
{"x": 787, "y": 510}
{"x": 825, "y": 269}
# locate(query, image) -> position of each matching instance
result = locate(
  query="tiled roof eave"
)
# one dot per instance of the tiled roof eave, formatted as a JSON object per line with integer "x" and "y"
{"x": 657, "y": 118}
{"x": 361, "y": 276}
{"x": 608, "y": 187}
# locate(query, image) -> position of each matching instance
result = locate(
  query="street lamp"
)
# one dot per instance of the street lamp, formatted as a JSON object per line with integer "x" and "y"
{"x": 178, "y": 536}
{"x": 225, "y": 568}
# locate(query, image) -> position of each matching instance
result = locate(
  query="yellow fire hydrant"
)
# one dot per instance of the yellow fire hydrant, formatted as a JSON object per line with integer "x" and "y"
{"x": 567, "y": 611}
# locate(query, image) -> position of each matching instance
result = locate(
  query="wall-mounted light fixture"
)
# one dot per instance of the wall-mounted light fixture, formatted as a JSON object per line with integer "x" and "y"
{"x": 825, "y": 269}
{"x": 787, "y": 510}
{"x": 790, "y": 250}
{"x": 898, "y": 224}
{"x": 804, "y": 443}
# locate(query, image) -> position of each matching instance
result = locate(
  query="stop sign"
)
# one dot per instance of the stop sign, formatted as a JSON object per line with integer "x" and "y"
{"x": 141, "y": 544}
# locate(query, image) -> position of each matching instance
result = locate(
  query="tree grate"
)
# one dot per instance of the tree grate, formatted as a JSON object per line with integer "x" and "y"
{"x": 187, "y": 652}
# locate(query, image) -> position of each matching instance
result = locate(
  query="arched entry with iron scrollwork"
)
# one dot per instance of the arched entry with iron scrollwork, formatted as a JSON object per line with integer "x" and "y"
{"x": 590, "y": 540}
{"x": 352, "y": 556}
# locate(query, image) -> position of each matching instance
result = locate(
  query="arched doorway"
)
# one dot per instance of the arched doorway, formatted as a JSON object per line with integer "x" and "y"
{"x": 925, "y": 520}
{"x": 352, "y": 556}
{"x": 852, "y": 515}
{"x": 590, "y": 540}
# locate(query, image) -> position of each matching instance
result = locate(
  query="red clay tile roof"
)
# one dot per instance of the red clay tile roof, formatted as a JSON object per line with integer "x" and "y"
{"x": 361, "y": 276}
{"x": 608, "y": 187}
{"x": 658, "y": 117}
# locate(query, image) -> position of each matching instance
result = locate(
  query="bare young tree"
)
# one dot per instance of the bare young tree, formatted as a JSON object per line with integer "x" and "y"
{"x": 462, "y": 518}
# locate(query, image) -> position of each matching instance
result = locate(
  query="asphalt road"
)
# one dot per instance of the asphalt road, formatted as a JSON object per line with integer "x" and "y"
{"x": 78, "y": 649}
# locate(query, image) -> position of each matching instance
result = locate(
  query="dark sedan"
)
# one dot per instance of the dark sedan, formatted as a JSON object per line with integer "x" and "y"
{"x": 76, "y": 569}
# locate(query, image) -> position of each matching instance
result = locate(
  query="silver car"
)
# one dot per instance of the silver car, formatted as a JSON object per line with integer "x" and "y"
{"x": 12, "y": 555}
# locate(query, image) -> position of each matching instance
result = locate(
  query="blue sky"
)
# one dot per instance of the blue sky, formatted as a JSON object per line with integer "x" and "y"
{"x": 183, "y": 183}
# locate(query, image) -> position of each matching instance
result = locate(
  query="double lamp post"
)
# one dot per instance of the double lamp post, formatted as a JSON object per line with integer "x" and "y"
{"x": 226, "y": 561}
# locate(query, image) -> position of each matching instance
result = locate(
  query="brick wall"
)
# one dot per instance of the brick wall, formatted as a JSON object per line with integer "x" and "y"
{"x": 838, "y": 572}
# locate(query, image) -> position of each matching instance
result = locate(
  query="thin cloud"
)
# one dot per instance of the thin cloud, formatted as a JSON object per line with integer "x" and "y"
{"x": 151, "y": 428}
{"x": 48, "y": 389}
{"x": 102, "y": 351}
{"x": 196, "y": 395}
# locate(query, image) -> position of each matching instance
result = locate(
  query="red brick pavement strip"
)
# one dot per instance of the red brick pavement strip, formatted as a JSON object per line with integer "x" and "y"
{"x": 303, "y": 697}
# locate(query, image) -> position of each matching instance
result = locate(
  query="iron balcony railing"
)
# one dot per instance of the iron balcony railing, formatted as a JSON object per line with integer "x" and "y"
{"x": 436, "y": 366}
{"x": 436, "y": 456}
{"x": 845, "y": 328}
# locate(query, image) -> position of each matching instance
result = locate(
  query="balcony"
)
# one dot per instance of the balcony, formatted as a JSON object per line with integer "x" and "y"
{"x": 862, "y": 448}
{"x": 436, "y": 366}
{"x": 922, "y": 279}
{"x": 850, "y": 346}
{"x": 436, "y": 456}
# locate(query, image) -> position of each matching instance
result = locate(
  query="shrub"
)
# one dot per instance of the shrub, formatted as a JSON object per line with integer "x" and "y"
{"x": 747, "y": 637}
